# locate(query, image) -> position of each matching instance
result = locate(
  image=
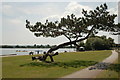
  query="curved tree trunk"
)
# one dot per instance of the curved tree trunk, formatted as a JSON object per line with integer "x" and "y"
{"x": 60, "y": 46}
{"x": 64, "y": 44}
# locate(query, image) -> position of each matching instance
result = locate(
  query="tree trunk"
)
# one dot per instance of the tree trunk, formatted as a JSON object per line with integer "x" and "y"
{"x": 45, "y": 57}
{"x": 60, "y": 46}
{"x": 64, "y": 44}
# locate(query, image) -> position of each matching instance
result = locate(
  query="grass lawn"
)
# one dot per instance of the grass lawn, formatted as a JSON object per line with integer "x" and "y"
{"x": 65, "y": 63}
{"x": 113, "y": 72}
{"x": 0, "y": 67}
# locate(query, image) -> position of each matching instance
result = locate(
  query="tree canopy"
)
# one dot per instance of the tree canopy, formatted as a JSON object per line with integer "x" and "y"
{"x": 76, "y": 29}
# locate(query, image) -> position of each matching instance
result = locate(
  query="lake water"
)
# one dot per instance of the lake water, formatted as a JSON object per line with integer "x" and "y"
{"x": 25, "y": 51}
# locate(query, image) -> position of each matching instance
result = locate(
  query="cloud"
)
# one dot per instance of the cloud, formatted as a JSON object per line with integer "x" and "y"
{"x": 47, "y": 11}
{"x": 40, "y": 10}
{"x": 7, "y": 9}
{"x": 75, "y": 8}
{"x": 12, "y": 23}
{"x": 15, "y": 21}
{"x": 113, "y": 10}
{"x": 14, "y": 16}
{"x": 36, "y": 10}
{"x": 71, "y": 8}
{"x": 119, "y": 12}
{"x": 52, "y": 18}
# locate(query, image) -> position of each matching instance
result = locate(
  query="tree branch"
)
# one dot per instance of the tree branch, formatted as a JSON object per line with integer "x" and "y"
{"x": 67, "y": 37}
{"x": 69, "y": 43}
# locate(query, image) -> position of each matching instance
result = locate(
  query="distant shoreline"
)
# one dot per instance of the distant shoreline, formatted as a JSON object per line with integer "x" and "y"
{"x": 11, "y": 55}
{"x": 7, "y": 55}
{"x": 31, "y": 47}
{"x": 26, "y": 51}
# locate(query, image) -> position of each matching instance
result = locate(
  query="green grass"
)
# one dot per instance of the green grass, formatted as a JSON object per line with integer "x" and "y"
{"x": 65, "y": 63}
{"x": 112, "y": 71}
{"x": 0, "y": 67}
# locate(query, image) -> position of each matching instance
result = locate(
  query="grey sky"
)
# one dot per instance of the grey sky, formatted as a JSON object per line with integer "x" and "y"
{"x": 14, "y": 15}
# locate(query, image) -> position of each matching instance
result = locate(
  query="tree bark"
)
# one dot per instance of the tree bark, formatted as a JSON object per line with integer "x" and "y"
{"x": 64, "y": 44}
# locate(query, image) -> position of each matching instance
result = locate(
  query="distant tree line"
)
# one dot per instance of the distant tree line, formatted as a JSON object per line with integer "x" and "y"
{"x": 32, "y": 46}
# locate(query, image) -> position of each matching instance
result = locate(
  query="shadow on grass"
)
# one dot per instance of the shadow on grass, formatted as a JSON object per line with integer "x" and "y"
{"x": 74, "y": 64}
{"x": 106, "y": 66}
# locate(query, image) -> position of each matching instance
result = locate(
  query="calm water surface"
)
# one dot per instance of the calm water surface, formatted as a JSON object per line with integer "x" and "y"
{"x": 25, "y": 51}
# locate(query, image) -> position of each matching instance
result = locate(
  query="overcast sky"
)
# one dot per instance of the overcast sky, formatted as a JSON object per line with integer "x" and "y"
{"x": 14, "y": 15}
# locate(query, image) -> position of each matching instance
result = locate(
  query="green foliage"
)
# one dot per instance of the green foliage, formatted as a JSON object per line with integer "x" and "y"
{"x": 99, "y": 43}
{"x": 81, "y": 43}
{"x": 74, "y": 64}
{"x": 74, "y": 27}
{"x": 114, "y": 67}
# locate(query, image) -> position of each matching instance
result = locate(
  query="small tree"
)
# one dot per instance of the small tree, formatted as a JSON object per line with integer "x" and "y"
{"x": 99, "y": 43}
{"x": 88, "y": 44}
{"x": 75, "y": 29}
